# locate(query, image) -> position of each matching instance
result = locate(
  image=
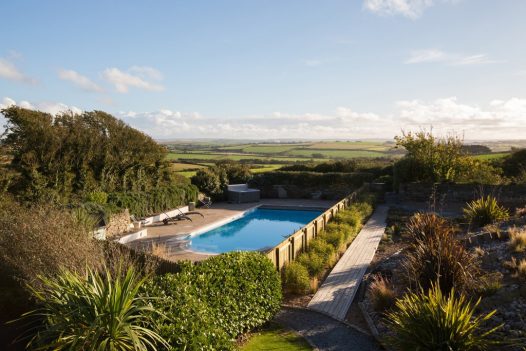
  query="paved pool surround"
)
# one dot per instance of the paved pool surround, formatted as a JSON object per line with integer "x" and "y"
{"x": 219, "y": 214}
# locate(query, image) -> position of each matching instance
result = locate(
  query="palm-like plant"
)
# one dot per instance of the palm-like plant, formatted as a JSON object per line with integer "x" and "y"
{"x": 93, "y": 312}
{"x": 485, "y": 210}
{"x": 434, "y": 321}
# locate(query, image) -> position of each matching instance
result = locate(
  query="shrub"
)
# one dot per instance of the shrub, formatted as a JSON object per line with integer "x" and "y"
{"x": 423, "y": 225}
{"x": 42, "y": 240}
{"x": 93, "y": 312}
{"x": 296, "y": 278}
{"x": 517, "y": 239}
{"x": 440, "y": 258}
{"x": 323, "y": 249}
{"x": 434, "y": 321}
{"x": 98, "y": 197}
{"x": 313, "y": 261}
{"x": 155, "y": 201}
{"x": 187, "y": 322}
{"x": 382, "y": 294}
{"x": 484, "y": 211}
{"x": 335, "y": 238}
{"x": 238, "y": 291}
{"x": 349, "y": 217}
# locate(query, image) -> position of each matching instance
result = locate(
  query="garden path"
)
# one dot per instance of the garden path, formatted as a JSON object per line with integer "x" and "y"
{"x": 337, "y": 292}
{"x": 325, "y": 333}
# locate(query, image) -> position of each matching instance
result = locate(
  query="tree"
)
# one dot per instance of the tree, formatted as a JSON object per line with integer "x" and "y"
{"x": 208, "y": 182}
{"x": 60, "y": 156}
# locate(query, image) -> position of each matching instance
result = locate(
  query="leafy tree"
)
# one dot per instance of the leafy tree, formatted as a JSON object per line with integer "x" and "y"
{"x": 208, "y": 182}
{"x": 60, "y": 156}
{"x": 514, "y": 165}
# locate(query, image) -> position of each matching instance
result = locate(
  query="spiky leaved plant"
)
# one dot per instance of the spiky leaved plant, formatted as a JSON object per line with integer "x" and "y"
{"x": 484, "y": 211}
{"x": 438, "y": 322}
{"x": 92, "y": 312}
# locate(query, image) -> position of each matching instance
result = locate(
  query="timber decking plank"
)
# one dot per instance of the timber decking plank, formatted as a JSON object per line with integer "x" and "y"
{"x": 337, "y": 292}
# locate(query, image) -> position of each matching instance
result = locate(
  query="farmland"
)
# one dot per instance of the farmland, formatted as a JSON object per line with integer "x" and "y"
{"x": 189, "y": 156}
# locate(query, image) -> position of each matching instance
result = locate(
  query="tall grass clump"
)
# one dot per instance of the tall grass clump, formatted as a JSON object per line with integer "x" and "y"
{"x": 296, "y": 278}
{"x": 437, "y": 256}
{"x": 382, "y": 294}
{"x": 93, "y": 312}
{"x": 484, "y": 211}
{"x": 517, "y": 239}
{"x": 325, "y": 250}
{"x": 435, "y": 321}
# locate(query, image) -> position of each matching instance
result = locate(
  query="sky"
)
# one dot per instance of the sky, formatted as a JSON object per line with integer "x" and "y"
{"x": 274, "y": 69}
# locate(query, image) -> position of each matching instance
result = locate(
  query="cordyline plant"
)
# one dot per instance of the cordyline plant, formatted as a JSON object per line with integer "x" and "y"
{"x": 438, "y": 322}
{"x": 92, "y": 312}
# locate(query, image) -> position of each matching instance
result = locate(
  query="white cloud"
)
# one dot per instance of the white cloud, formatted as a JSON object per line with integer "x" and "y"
{"x": 500, "y": 119}
{"x": 147, "y": 72}
{"x": 408, "y": 8}
{"x": 9, "y": 71}
{"x": 124, "y": 80}
{"x": 45, "y": 106}
{"x": 428, "y": 55}
{"x": 452, "y": 59}
{"x": 79, "y": 80}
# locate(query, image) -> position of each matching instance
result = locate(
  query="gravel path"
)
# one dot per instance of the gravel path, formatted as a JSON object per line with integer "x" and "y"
{"x": 325, "y": 333}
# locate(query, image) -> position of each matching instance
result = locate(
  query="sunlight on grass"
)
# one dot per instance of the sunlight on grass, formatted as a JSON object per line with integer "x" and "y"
{"x": 276, "y": 338}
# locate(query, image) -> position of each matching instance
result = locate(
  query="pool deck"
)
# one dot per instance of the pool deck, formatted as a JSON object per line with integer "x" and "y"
{"x": 171, "y": 236}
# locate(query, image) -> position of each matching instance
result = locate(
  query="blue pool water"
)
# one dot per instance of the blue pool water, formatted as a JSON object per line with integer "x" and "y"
{"x": 258, "y": 229}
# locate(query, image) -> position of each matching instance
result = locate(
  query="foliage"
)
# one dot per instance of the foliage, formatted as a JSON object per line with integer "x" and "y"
{"x": 213, "y": 301}
{"x": 324, "y": 250}
{"x": 213, "y": 181}
{"x": 484, "y": 211}
{"x": 383, "y": 296}
{"x": 296, "y": 278}
{"x": 439, "y": 257}
{"x": 514, "y": 165}
{"x": 427, "y": 224}
{"x": 188, "y": 323}
{"x": 95, "y": 312}
{"x": 142, "y": 203}
{"x": 430, "y": 158}
{"x": 433, "y": 159}
{"x": 41, "y": 240}
{"x": 312, "y": 261}
{"x": 59, "y": 156}
{"x": 98, "y": 197}
{"x": 434, "y": 321}
{"x": 517, "y": 239}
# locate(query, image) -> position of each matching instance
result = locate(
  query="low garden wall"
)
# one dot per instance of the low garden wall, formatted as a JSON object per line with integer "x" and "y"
{"x": 512, "y": 195}
{"x": 290, "y": 248}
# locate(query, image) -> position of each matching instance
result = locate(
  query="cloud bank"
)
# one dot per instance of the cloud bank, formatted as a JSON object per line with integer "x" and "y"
{"x": 407, "y": 8}
{"x": 498, "y": 119}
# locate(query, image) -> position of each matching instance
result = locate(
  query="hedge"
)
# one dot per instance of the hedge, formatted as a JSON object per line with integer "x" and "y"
{"x": 208, "y": 304}
{"x": 142, "y": 203}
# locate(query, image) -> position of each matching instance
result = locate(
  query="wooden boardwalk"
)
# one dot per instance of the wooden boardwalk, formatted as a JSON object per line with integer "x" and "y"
{"x": 337, "y": 292}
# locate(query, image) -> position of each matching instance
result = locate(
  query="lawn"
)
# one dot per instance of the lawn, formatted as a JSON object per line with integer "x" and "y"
{"x": 276, "y": 338}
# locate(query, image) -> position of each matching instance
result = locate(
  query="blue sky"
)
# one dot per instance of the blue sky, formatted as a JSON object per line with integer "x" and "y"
{"x": 273, "y": 69}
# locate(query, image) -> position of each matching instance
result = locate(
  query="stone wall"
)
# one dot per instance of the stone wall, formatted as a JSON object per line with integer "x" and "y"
{"x": 118, "y": 223}
{"x": 510, "y": 195}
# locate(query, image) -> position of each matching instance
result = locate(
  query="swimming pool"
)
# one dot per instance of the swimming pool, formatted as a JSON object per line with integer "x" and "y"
{"x": 257, "y": 229}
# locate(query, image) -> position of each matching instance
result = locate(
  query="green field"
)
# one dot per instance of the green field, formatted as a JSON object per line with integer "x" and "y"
{"x": 492, "y": 156}
{"x": 331, "y": 154}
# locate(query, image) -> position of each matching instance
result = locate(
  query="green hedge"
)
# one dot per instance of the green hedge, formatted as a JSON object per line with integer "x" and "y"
{"x": 208, "y": 304}
{"x": 160, "y": 199}
{"x": 311, "y": 179}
